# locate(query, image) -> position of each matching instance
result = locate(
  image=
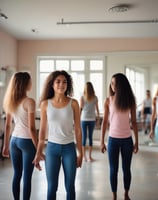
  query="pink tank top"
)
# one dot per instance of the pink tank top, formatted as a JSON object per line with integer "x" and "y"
{"x": 119, "y": 122}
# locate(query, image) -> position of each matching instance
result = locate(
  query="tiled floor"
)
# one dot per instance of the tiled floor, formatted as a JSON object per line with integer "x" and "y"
{"x": 92, "y": 181}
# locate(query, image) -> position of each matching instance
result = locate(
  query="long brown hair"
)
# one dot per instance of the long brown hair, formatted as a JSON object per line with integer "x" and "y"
{"x": 16, "y": 91}
{"x": 124, "y": 97}
{"x": 89, "y": 92}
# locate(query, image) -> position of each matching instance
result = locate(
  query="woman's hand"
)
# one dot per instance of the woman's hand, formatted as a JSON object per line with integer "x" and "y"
{"x": 151, "y": 135}
{"x": 103, "y": 148}
{"x": 37, "y": 160}
{"x": 5, "y": 152}
{"x": 135, "y": 148}
{"x": 79, "y": 161}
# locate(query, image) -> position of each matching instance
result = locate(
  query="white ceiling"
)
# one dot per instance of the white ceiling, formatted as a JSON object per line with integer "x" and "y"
{"x": 43, "y": 15}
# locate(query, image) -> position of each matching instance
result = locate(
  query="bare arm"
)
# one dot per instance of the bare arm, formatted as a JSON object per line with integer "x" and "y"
{"x": 78, "y": 133}
{"x": 42, "y": 135}
{"x": 151, "y": 134}
{"x": 31, "y": 121}
{"x": 104, "y": 125}
{"x": 97, "y": 108}
{"x": 8, "y": 125}
{"x": 98, "y": 114}
{"x": 134, "y": 126}
{"x": 81, "y": 104}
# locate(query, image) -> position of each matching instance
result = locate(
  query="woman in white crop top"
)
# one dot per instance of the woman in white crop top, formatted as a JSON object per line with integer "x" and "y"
{"x": 61, "y": 113}
{"x": 22, "y": 146}
{"x": 119, "y": 111}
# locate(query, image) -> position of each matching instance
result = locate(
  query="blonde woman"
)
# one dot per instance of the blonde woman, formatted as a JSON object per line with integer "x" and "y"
{"x": 22, "y": 145}
{"x": 89, "y": 108}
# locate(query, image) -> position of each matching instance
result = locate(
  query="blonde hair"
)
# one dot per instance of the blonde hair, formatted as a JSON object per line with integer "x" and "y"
{"x": 89, "y": 92}
{"x": 16, "y": 91}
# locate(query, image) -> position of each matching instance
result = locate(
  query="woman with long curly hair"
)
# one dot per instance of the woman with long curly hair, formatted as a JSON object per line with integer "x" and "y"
{"x": 61, "y": 112}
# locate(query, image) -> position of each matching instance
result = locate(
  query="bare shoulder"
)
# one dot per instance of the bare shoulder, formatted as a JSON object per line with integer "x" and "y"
{"x": 107, "y": 101}
{"x": 44, "y": 104}
{"x": 30, "y": 101}
{"x": 74, "y": 103}
{"x": 29, "y": 104}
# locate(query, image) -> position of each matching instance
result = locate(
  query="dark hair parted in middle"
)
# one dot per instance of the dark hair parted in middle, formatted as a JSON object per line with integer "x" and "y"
{"x": 124, "y": 97}
{"x": 48, "y": 91}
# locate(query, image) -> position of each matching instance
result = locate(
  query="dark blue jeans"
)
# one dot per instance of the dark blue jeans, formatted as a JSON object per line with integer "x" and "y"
{"x": 87, "y": 126}
{"x": 22, "y": 153}
{"x": 57, "y": 154}
{"x": 125, "y": 147}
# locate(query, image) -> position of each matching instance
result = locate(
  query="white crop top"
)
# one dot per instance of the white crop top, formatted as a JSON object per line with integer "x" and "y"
{"x": 60, "y": 123}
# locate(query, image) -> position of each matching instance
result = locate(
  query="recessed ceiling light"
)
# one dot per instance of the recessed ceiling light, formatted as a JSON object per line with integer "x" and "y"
{"x": 119, "y": 8}
{"x": 3, "y": 16}
{"x": 34, "y": 30}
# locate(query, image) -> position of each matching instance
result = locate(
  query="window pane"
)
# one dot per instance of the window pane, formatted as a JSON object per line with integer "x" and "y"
{"x": 81, "y": 69}
{"x": 78, "y": 84}
{"x": 62, "y": 65}
{"x": 43, "y": 77}
{"x": 46, "y": 65}
{"x": 77, "y": 65}
{"x": 97, "y": 81}
{"x": 96, "y": 65}
{"x": 136, "y": 80}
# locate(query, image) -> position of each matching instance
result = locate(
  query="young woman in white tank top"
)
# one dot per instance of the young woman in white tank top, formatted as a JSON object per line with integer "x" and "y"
{"x": 61, "y": 113}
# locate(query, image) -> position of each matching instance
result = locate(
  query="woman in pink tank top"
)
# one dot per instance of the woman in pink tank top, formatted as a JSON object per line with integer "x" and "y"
{"x": 120, "y": 114}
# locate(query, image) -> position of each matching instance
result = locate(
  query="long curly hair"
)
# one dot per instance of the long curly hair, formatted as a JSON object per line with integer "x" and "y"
{"x": 48, "y": 91}
{"x": 124, "y": 96}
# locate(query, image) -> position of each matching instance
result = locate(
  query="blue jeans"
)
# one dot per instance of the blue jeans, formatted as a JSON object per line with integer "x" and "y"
{"x": 125, "y": 146}
{"x": 87, "y": 125}
{"x": 22, "y": 153}
{"x": 57, "y": 154}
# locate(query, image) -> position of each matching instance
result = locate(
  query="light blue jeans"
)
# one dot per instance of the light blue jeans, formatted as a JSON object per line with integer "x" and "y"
{"x": 22, "y": 153}
{"x": 57, "y": 154}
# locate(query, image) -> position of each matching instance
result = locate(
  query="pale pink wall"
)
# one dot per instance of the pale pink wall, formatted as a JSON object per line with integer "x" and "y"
{"x": 29, "y": 49}
{"x": 8, "y": 50}
{"x": 8, "y": 59}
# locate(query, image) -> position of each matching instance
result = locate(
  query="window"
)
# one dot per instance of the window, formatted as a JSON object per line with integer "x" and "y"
{"x": 136, "y": 79}
{"x": 82, "y": 69}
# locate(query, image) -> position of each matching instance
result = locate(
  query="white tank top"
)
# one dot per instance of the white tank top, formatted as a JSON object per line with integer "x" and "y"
{"x": 148, "y": 103}
{"x": 21, "y": 129}
{"x": 60, "y": 123}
